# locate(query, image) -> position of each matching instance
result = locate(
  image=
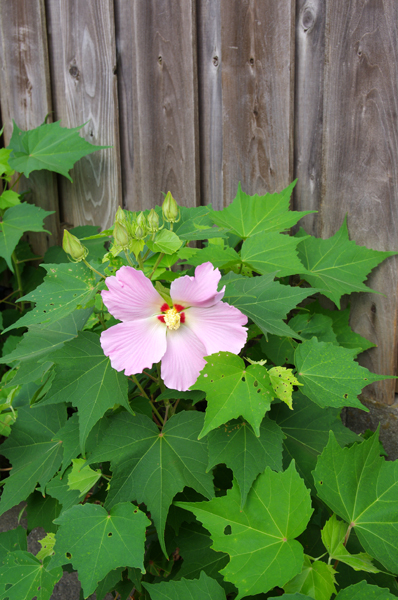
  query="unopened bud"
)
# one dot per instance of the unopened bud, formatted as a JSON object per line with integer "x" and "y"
{"x": 120, "y": 216}
{"x": 120, "y": 235}
{"x": 153, "y": 221}
{"x": 139, "y": 233}
{"x": 170, "y": 209}
{"x": 141, "y": 221}
{"x": 73, "y": 246}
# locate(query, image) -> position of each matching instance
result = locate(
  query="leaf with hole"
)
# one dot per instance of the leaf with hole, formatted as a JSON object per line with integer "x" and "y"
{"x": 23, "y": 577}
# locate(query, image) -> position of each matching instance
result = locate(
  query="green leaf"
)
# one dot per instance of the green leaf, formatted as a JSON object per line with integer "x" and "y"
{"x": 295, "y": 596}
{"x": 330, "y": 375}
{"x": 14, "y": 539}
{"x": 5, "y": 169}
{"x": 364, "y": 591}
{"x": 24, "y": 577}
{"x": 83, "y": 375}
{"x": 9, "y": 198}
{"x": 361, "y": 487}
{"x": 279, "y": 349}
{"x": 316, "y": 580}
{"x": 193, "y": 542}
{"x": 42, "y": 511}
{"x": 41, "y": 340}
{"x": 34, "y": 455}
{"x": 247, "y": 455}
{"x": 248, "y": 215}
{"x": 66, "y": 287}
{"x": 195, "y": 224}
{"x": 218, "y": 256}
{"x": 141, "y": 460}
{"x": 96, "y": 542}
{"x": 165, "y": 241}
{"x": 50, "y": 147}
{"x": 203, "y": 588}
{"x": 58, "y": 488}
{"x": 82, "y": 479}
{"x": 265, "y": 301}
{"x": 47, "y": 546}
{"x": 306, "y": 431}
{"x": 16, "y": 220}
{"x": 314, "y": 325}
{"x": 259, "y": 538}
{"x": 337, "y": 266}
{"x": 69, "y": 436}
{"x": 283, "y": 381}
{"x": 272, "y": 252}
{"x": 333, "y": 537}
{"x": 233, "y": 390}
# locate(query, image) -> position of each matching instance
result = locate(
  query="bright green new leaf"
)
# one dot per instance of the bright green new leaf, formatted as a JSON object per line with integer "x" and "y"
{"x": 361, "y": 487}
{"x": 364, "y": 591}
{"x": 314, "y": 325}
{"x": 204, "y": 588}
{"x": 24, "y": 577}
{"x": 151, "y": 467}
{"x": 12, "y": 540}
{"x": 9, "y": 198}
{"x": 316, "y": 580}
{"x": 165, "y": 241}
{"x": 16, "y": 220}
{"x": 306, "y": 430}
{"x": 330, "y": 375}
{"x": 265, "y": 301}
{"x": 272, "y": 252}
{"x": 95, "y": 541}
{"x": 248, "y": 215}
{"x": 247, "y": 455}
{"x": 259, "y": 538}
{"x": 233, "y": 390}
{"x": 47, "y": 546}
{"x": 333, "y": 537}
{"x": 58, "y": 488}
{"x": 193, "y": 542}
{"x": 34, "y": 455}
{"x": 5, "y": 169}
{"x": 50, "y": 147}
{"x": 83, "y": 375}
{"x": 337, "y": 266}
{"x": 41, "y": 340}
{"x": 282, "y": 381}
{"x": 82, "y": 479}
{"x": 66, "y": 287}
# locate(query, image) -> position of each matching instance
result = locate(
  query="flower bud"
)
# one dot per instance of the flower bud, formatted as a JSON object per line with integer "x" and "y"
{"x": 170, "y": 209}
{"x": 120, "y": 216}
{"x": 73, "y": 246}
{"x": 141, "y": 222}
{"x": 120, "y": 235}
{"x": 139, "y": 233}
{"x": 153, "y": 221}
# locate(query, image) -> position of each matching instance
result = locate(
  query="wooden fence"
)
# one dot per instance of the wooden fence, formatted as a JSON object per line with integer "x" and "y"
{"x": 197, "y": 95}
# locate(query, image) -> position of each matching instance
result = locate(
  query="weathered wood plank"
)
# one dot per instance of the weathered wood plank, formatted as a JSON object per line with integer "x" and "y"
{"x": 26, "y": 97}
{"x": 83, "y": 65}
{"x": 360, "y": 161}
{"x": 158, "y": 95}
{"x": 210, "y": 101}
{"x": 257, "y": 90}
{"x": 308, "y": 123}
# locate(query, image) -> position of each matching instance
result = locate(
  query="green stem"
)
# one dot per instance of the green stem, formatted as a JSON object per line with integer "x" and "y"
{"x": 161, "y": 255}
{"x": 16, "y": 181}
{"x": 160, "y": 380}
{"x": 128, "y": 259}
{"x": 140, "y": 262}
{"x": 19, "y": 279}
{"x": 92, "y": 268}
{"x": 137, "y": 383}
{"x": 155, "y": 410}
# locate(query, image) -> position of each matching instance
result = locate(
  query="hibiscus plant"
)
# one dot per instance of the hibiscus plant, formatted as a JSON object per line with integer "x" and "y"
{"x": 173, "y": 391}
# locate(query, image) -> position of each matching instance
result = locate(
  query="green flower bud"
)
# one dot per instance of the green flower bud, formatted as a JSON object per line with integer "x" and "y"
{"x": 120, "y": 216}
{"x": 139, "y": 233}
{"x": 120, "y": 235}
{"x": 170, "y": 209}
{"x": 141, "y": 222}
{"x": 73, "y": 246}
{"x": 153, "y": 221}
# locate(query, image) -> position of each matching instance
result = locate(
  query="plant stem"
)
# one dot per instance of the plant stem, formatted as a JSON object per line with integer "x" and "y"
{"x": 161, "y": 255}
{"x": 92, "y": 268}
{"x": 137, "y": 383}
{"x": 160, "y": 380}
{"x": 149, "y": 375}
{"x": 157, "y": 413}
{"x": 16, "y": 181}
{"x": 128, "y": 259}
{"x": 19, "y": 279}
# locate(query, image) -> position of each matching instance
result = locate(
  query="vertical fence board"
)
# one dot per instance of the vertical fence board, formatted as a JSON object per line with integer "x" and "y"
{"x": 83, "y": 66}
{"x": 25, "y": 97}
{"x": 308, "y": 121}
{"x": 158, "y": 40}
{"x": 360, "y": 171}
{"x": 210, "y": 101}
{"x": 258, "y": 91}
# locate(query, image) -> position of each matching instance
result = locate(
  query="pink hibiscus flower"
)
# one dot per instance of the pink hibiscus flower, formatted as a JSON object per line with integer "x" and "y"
{"x": 198, "y": 324}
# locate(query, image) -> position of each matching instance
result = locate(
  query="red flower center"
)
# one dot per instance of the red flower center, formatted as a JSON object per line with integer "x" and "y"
{"x": 172, "y": 317}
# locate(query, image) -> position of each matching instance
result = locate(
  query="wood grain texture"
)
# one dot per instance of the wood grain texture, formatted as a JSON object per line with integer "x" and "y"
{"x": 83, "y": 65}
{"x": 308, "y": 116}
{"x": 257, "y": 90}
{"x": 210, "y": 102}
{"x": 360, "y": 162}
{"x": 25, "y": 97}
{"x": 158, "y": 82}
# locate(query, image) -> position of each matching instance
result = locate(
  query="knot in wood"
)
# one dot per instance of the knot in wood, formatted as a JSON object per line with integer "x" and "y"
{"x": 308, "y": 19}
{"x": 74, "y": 71}
{"x": 215, "y": 61}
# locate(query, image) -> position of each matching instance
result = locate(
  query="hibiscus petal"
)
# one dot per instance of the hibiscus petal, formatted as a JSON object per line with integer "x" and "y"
{"x": 134, "y": 346}
{"x": 218, "y": 327}
{"x": 183, "y": 359}
{"x": 200, "y": 290}
{"x": 131, "y": 295}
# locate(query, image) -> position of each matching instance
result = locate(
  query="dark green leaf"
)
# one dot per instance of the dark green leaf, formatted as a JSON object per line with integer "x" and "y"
{"x": 314, "y": 325}
{"x": 279, "y": 349}
{"x": 195, "y": 224}
{"x": 203, "y": 588}
{"x": 58, "y": 488}
{"x": 217, "y": 255}
{"x": 24, "y": 577}
{"x": 364, "y": 591}
{"x": 14, "y": 539}
{"x": 42, "y": 511}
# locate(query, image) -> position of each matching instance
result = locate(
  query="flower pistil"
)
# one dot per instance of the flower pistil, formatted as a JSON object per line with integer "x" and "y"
{"x": 172, "y": 317}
